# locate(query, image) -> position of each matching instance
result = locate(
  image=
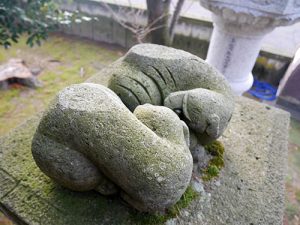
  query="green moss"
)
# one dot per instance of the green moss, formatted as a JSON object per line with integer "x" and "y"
{"x": 218, "y": 161}
{"x": 184, "y": 201}
{"x": 213, "y": 170}
{"x": 5, "y": 98}
{"x": 156, "y": 219}
{"x": 216, "y": 149}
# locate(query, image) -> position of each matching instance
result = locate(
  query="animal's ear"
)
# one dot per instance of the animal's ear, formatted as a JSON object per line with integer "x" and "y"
{"x": 174, "y": 100}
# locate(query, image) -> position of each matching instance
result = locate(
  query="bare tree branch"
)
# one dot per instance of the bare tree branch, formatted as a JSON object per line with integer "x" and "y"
{"x": 129, "y": 18}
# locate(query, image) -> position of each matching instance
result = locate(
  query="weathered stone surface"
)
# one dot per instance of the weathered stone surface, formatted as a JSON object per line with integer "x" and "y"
{"x": 174, "y": 78}
{"x": 14, "y": 68}
{"x": 251, "y": 185}
{"x": 88, "y": 137}
{"x": 250, "y": 189}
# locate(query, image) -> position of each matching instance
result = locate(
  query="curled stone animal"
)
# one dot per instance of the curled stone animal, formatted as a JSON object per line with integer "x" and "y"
{"x": 128, "y": 138}
{"x": 89, "y": 140}
{"x": 183, "y": 82}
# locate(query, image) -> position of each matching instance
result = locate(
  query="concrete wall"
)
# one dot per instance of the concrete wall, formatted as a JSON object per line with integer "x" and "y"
{"x": 190, "y": 34}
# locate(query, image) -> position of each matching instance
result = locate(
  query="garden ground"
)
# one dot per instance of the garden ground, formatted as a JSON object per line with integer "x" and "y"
{"x": 66, "y": 60}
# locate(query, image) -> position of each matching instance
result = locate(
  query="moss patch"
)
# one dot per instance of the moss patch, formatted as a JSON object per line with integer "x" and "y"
{"x": 216, "y": 149}
{"x": 149, "y": 219}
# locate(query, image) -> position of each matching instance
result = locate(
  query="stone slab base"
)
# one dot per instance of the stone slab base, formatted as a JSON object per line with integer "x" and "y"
{"x": 249, "y": 191}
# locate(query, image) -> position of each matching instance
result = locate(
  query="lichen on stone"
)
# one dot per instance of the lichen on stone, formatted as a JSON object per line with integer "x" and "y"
{"x": 128, "y": 139}
{"x": 183, "y": 82}
{"x": 88, "y": 138}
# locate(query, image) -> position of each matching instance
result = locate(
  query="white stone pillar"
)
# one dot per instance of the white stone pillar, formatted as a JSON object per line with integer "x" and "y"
{"x": 239, "y": 27}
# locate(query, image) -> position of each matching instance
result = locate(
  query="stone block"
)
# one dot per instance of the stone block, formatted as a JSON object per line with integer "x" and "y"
{"x": 250, "y": 189}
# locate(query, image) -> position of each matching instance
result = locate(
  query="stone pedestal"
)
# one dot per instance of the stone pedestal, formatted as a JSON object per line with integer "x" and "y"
{"x": 239, "y": 27}
{"x": 250, "y": 189}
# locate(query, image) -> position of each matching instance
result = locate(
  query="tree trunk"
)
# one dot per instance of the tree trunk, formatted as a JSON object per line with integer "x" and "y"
{"x": 158, "y": 16}
{"x": 174, "y": 20}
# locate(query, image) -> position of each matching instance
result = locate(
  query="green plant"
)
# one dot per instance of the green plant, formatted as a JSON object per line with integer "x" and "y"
{"x": 35, "y": 17}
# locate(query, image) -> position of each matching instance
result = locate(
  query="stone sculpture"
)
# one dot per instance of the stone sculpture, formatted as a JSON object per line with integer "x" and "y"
{"x": 89, "y": 140}
{"x": 181, "y": 81}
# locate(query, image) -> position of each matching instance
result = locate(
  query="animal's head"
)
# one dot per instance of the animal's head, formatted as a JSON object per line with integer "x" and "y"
{"x": 206, "y": 112}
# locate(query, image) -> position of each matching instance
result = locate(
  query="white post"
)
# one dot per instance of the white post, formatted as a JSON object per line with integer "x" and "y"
{"x": 239, "y": 27}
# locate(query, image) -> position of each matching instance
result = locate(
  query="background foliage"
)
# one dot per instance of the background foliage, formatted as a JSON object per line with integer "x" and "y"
{"x": 36, "y": 18}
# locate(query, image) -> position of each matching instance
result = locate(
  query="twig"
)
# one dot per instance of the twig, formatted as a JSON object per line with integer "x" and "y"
{"x": 130, "y": 21}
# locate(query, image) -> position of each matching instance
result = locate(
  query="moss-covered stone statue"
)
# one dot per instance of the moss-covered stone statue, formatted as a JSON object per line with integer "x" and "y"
{"x": 181, "y": 81}
{"x": 89, "y": 140}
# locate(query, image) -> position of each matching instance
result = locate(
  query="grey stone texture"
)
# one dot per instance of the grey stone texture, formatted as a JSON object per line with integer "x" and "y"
{"x": 251, "y": 185}
{"x": 250, "y": 189}
{"x": 89, "y": 140}
{"x": 161, "y": 75}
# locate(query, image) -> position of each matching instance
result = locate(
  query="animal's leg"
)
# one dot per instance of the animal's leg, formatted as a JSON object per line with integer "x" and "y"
{"x": 164, "y": 122}
{"x": 68, "y": 167}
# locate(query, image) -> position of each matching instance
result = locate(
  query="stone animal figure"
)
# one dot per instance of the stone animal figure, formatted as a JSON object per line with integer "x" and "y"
{"x": 181, "y": 81}
{"x": 88, "y": 139}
